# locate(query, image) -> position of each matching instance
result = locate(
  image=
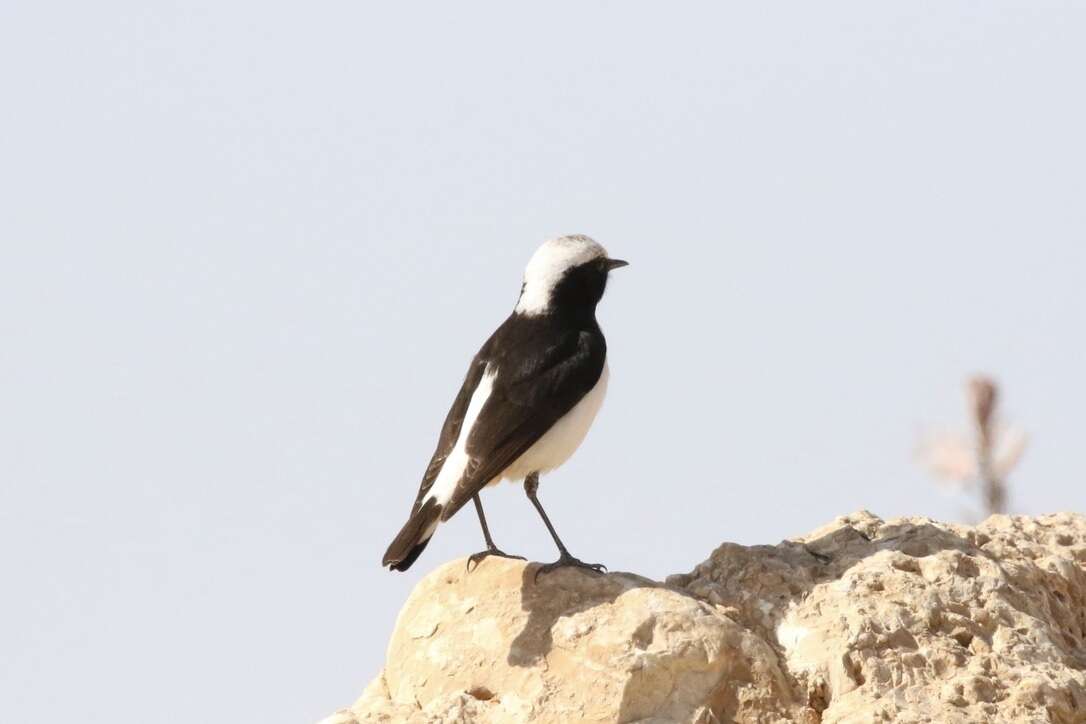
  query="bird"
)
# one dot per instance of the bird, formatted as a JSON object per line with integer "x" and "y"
{"x": 528, "y": 399}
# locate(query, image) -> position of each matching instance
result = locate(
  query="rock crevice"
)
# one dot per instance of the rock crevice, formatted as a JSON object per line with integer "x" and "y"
{"x": 863, "y": 620}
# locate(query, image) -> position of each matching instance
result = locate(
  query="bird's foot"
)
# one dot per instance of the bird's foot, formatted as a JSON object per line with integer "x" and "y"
{"x": 567, "y": 560}
{"x": 475, "y": 558}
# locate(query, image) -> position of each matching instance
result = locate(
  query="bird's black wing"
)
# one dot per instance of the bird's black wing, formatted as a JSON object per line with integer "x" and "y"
{"x": 540, "y": 376}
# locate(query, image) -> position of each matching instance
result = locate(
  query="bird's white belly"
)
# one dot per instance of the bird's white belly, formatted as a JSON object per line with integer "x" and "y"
{"x": 560, "y": 442}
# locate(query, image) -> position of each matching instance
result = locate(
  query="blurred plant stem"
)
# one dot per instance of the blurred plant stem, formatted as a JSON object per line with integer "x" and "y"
{"x": 980, "y": 459}
{"x": 985, "y": 397}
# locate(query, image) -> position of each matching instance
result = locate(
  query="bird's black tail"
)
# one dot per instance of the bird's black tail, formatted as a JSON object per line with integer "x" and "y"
{"x": 413, "y": 538}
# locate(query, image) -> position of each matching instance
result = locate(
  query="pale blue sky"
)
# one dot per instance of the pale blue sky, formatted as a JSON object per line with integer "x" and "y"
{"x": 249, "y": 249}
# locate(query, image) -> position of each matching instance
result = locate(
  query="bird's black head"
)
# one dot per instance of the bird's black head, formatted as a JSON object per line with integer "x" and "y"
{"x": 565, "y": 275}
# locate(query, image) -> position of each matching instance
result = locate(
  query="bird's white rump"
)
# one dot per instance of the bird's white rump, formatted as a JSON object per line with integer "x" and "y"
{"x": 457, "y": 461}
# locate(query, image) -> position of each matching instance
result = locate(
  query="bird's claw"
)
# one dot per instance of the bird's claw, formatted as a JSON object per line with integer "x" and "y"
{"x": 475, "y": 558}
{"x": 566, "y": 560}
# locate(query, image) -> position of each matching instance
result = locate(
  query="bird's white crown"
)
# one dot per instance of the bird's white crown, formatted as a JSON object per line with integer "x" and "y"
{"x": 549, "y": 264}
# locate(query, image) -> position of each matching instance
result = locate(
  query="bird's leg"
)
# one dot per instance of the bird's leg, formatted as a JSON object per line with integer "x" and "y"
{"x": 491, "y": 549}
{"x": 531, "y": 486}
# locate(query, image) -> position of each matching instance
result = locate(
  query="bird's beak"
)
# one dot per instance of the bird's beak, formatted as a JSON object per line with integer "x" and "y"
{"x": 613, "y": 264}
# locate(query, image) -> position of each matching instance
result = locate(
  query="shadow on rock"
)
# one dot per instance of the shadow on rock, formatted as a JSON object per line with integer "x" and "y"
{"x": 562, "y": 594}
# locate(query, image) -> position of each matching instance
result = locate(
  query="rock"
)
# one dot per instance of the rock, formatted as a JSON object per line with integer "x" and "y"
{"x": 864, "y": 620}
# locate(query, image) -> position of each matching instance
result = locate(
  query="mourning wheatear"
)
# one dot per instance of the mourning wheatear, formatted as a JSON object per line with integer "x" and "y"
{"x": 528, "y": 399}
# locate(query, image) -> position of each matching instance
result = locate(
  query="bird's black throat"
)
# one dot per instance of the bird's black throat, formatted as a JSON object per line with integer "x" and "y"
{"x": 579, "y": 290}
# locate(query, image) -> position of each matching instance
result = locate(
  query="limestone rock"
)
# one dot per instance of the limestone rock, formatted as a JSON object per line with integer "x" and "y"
{"x": 907, "y": 620}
